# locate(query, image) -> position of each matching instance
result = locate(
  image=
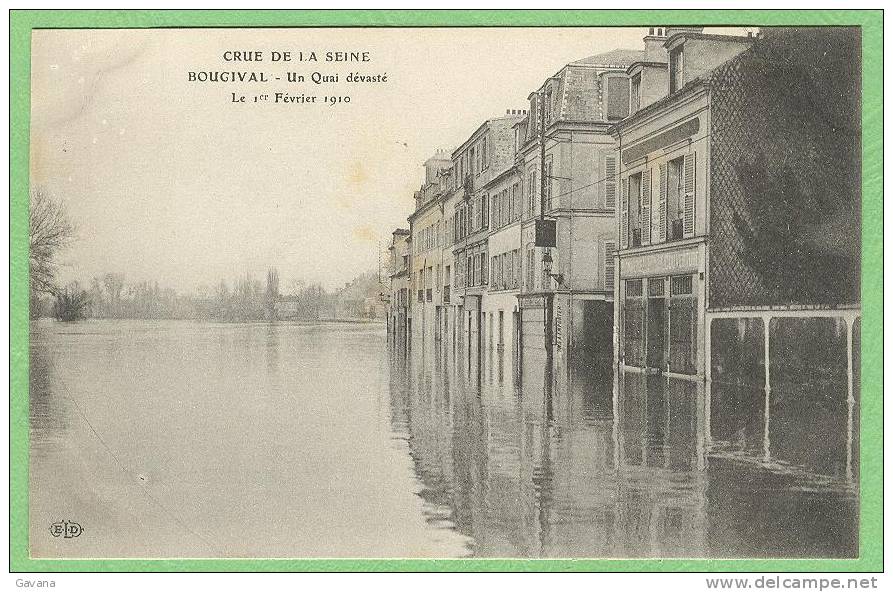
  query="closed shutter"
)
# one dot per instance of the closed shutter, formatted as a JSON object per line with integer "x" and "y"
{"x": 688, "y": 219}
{"x": 646, "y": 207}
{"x": 610, "y": 181}
{"x": 624, "y": 213}
{"x": 517, "y": 268}
{"x": 609, "y": 266}
{"x": 662, "y": 204}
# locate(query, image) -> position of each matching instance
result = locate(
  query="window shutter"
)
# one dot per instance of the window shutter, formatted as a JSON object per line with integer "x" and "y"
{"x": 609, "y": 266}
{"x": 646, "y": 207}
{"x": 610, "y": 181}
{"x": 688, "y": 218}
{"x": 662, "y": 204}
{"x": 517, "y": 271}
{"x": 624, "y": 213}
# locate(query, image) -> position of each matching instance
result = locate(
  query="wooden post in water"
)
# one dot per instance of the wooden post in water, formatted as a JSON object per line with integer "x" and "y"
{"x": 850, "y": 399}
{"x": 767, "y": 319}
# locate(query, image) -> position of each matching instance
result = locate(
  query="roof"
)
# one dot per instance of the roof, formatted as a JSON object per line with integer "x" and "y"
{"x": 615, "y": 57}
{"x": 486, "y": 122}
{"x": 672, "y": 39}
{"x": 401, "y": 231}
{"x": 704, "y": 80}
{"x": 643, "y": 63}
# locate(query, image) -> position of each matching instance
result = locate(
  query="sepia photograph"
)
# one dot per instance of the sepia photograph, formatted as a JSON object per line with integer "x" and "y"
{"x": 503, "y": 292}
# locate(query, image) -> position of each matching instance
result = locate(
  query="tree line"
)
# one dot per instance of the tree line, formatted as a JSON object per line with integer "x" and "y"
{"x": 111, "y": 296}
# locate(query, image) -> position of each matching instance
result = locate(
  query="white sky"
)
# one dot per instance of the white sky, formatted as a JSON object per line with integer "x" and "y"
{"x": 168, "y": 180}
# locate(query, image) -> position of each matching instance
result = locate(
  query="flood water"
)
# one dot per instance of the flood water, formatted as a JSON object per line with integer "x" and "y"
{"x": 181, "y": 439}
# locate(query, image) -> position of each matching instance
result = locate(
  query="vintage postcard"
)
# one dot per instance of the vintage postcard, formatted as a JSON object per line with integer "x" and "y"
{"x": 512, "y": 292}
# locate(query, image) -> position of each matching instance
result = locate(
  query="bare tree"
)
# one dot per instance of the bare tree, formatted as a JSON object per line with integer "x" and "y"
{"x": 72, "y": 303}
{"x": 49, "y": 231}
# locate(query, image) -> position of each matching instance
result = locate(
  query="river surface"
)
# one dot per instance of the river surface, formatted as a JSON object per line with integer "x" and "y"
{"x": 181, "y": 439}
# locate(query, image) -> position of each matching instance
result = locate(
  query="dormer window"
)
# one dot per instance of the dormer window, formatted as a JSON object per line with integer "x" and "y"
{"x": 547, "y": 106}
{"x": 617, "y": 100}
{"x": 676, "y": 65}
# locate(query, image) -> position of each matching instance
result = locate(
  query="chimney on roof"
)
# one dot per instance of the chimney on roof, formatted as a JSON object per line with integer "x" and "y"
{"x": 654, "y": 44}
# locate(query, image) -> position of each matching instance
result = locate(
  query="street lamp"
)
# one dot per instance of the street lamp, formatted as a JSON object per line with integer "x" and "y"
{"x": 547, "y": 268}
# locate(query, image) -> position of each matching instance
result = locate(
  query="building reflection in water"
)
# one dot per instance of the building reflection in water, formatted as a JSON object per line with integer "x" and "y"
{"x": 618, "y": 464}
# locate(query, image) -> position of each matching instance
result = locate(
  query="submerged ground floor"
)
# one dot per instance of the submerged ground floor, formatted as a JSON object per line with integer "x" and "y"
{"x": 609, "y": 462}
{"x": 662, "y": 329}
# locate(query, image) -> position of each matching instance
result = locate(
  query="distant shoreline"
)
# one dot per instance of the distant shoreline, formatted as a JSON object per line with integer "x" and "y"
{"x": 224, "y": 322}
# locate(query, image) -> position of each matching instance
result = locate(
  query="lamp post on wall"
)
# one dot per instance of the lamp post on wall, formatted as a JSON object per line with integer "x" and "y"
{"x": 548, "y": 309}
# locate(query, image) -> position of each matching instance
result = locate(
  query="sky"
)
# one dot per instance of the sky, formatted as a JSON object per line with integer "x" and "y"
{"x": 170, "y": 180}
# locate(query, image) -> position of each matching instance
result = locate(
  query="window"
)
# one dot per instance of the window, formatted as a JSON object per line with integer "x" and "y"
{"x": 617, "y": 106}
{"x": 675, "y": 199}
{"x": 680, "y": 285}
{"x": 530, "y": 270}
{"x": 501, "y": 274}
{"x": 635, "y": 210}
{"x": 534, "y": 117}
{"x": 633, "y": 288}
{"x": 501, "y": 338}
{"x": 549, "y": 181}
{"x": 676, "y": 79}
{"x": 635, "y": 88}
{"x": 484, "y": 153}
{"x": 610, "y": 181}
{"x": 547, "y": 106}
{"x": 609, "y": 266}
{"x": 485, "y": 210}
{"x": 656, "y": 287}
{"x": 516, "y": 201}
{"x": 446, "y": 285}
{"x": 531, "y": 193}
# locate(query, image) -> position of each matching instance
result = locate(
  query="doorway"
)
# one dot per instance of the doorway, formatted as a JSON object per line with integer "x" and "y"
{"x": 656, "y": 340}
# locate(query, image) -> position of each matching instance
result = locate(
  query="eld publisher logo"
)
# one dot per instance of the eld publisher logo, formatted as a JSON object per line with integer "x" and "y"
{"x": 66, "y": 529}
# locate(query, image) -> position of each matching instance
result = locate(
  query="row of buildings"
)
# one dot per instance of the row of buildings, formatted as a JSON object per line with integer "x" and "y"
{"x": 643, "y": 197}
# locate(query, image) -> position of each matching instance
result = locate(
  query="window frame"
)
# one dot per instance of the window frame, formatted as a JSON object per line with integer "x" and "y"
{"x": 635, "y": 98}
{"x": 677, "y": 163}
{"x": 676, "y": 65}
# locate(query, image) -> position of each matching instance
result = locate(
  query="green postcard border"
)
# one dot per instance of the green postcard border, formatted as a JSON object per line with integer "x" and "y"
{"x": 871, "y": 508}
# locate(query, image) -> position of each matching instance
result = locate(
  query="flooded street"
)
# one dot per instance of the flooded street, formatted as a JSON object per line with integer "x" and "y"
{"x": 180, "y": 439}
